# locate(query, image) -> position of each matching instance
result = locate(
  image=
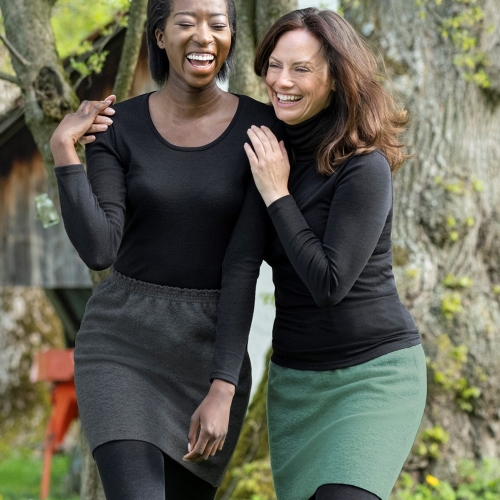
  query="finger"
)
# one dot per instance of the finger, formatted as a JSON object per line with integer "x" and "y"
{"x": 86, "y": 139}
{"x": 221, "y": 444}
{"x": 103, "y": 120}
{"x": 263, "y": 138}
{"x": 258, "y": 147}
{"x": 98, "y": 107}
{"x": 111, "y": 98}
{"x": 252, "y": 157}
{"x": 284, "y": 152}
{"x": 194, "y": 427}
{"x": 210, "y": 450}
{"x": 96, "y": 128}
{"x": 271, "y": 137}
{"x": 201, "y": 444}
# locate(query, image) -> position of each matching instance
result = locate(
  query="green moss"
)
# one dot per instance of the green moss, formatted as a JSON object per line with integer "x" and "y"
{"x": 400, "y": 256}
{"x": 451, "y": 281}
{"x": 447, "y": 372}
{"x": 451, "y": 305}
{"x": 429, "y": 442}
{"x": 462, "y": 29}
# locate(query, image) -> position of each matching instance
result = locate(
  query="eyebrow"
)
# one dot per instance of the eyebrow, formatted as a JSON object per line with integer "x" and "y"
{"x": 193, "y": 14}
{"x": 295, "y": 62}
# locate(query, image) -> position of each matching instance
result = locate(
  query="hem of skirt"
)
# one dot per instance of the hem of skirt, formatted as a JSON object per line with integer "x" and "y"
{"x": 382, "y": 350}
{"x": 215, "y": 483}
{"x": 172, "y": 292}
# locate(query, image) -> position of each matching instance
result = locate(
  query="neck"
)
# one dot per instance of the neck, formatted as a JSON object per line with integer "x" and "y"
{"x": 306, "y": 137}
{"x": 184, "y": 101}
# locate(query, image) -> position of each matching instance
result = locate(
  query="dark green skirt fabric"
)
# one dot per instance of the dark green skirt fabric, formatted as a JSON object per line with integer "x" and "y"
{"x": 352, "y": 425}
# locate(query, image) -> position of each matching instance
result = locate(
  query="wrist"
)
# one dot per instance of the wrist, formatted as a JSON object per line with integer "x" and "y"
{"x": 270, "y": 198}
{"x": 63, "y": 151}
{"x": 222, "y": 387}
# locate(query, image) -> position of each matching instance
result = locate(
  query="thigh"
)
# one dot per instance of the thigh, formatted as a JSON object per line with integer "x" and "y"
{"x": 342, "y": 492}
{"x": 131, "y": 470}
{"x": 181, "y": 484}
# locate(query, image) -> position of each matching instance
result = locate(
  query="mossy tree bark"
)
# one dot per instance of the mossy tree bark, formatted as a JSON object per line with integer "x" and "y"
{"x": 446, "y": 215}
{"x": 254, "y": 18}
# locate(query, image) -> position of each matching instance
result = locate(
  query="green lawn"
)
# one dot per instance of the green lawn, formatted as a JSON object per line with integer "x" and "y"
{"x": 20, "y": 477}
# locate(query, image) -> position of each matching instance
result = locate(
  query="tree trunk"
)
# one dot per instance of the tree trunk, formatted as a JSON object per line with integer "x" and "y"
{"x": 46, "y": 92}
{"x": 131, "y": 49}
{"x": 254, "y": 18}
{"x": 446, "y": 216}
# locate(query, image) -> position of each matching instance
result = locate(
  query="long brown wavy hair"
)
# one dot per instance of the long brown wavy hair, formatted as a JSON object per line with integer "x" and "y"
{"x": 364, "y": 116}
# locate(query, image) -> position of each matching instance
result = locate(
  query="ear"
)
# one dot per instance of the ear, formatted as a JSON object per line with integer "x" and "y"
{"x": 334, "y": 85}
{"x": 160, "y": 38}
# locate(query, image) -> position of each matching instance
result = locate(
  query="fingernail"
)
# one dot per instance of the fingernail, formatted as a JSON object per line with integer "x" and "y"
{"x": 111, "y": 110}
{"x": 103, "y": 127}
{"x": 109, "y": 121}
{"x": 189, "y": 447}
{"x": 107, "y": 101}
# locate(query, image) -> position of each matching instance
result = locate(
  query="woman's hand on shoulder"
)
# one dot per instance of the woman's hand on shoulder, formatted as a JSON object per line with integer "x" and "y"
{"x": 74, "y": 125}
{"x": 269, "y": 163}
{"x": 100, "y": 123}
{"x": 210, "y": 422}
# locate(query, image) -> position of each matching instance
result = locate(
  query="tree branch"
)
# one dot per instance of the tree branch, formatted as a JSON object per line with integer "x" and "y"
{"x": 131, "y": 49}
{"x": 9, "y": 78}
{"x": 14, "y": 51}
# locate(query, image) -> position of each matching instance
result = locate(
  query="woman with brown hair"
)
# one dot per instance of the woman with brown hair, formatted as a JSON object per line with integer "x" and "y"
{"x": 347, "y": 379}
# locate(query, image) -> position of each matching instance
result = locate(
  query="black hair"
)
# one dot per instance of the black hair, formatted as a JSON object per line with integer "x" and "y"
{"x": 158, "y": 13}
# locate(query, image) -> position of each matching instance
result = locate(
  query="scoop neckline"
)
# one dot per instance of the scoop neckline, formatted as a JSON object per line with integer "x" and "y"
{"x": 192, "y": 148}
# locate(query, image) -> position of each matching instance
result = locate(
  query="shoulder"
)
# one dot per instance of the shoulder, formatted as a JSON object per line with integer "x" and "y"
{"x": 371, "y": 165}
{"x": 257, "y": 112}
{"x": 130, "y": 112}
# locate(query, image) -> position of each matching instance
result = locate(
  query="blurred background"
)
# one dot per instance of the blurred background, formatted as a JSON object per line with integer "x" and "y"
{"x": 440, "y": 58}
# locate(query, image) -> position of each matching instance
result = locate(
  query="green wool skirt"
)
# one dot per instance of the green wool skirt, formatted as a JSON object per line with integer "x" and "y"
{"x": 352, "y": 425}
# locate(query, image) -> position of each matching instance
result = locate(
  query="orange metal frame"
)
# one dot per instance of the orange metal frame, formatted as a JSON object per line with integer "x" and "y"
{"x": 56, "y": 366}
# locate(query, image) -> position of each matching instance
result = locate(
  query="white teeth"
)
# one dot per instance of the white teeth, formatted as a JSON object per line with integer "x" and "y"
{"x": 284, "y": 97}
{"x": 201, "y": 57}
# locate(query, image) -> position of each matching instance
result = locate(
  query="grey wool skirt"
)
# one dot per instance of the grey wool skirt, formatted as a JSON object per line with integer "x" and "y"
{"x": 352, "y": 425}
{"x": 142, "y": 365}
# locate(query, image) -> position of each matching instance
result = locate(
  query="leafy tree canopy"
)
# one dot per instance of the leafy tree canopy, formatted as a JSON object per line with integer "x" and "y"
{"x": 75, "y": 20}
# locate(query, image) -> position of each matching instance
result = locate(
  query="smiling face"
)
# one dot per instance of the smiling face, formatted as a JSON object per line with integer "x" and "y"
{"x": 298, "y": 80}
{"x": 197, "y": 40}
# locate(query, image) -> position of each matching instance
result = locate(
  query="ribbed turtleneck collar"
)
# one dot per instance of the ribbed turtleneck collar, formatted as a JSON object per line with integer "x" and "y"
{"x": 305, "y": 138}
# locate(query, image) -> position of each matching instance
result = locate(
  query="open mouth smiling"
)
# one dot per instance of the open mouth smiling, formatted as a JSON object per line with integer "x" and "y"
{"x": 288, "y": 98}
{"x": 200, "y": 59}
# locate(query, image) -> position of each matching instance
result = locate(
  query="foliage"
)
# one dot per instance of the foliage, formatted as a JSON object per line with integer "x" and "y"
{"x": 74, "y": 20}
{"x": 20, "y": 476}
{"x": 429, "y": 442}
{"x": 461, "y": 28}
{"x": 254, "y": 481}
{"x": 482, "y": 483}
{"x": 447, "y": 370}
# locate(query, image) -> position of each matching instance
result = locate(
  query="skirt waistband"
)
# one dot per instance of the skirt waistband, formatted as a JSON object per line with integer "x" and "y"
{"x": 163, "y": 290}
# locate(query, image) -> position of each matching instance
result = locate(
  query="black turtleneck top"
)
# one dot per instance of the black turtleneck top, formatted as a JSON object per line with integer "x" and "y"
{"x": 336, "y": 299}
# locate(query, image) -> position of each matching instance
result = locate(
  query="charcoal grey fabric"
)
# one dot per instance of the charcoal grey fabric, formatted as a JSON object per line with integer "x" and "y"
{"x": 142, "y": 362}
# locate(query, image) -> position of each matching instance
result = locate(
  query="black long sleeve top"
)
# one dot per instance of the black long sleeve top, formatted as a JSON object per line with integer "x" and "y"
{"x": 336, "y": 298}
{"x": 176, "y": 216}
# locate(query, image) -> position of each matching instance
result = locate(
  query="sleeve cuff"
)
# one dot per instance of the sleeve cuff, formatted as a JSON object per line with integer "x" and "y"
{"x": 276, "y": 205}
{"x": 69, "y": 169}
{"x": 224, "y": 376}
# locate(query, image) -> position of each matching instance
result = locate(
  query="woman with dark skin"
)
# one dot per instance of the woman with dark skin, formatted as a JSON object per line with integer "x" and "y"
{"x": 347, "y": 379}
{"x": 161, "y": 369}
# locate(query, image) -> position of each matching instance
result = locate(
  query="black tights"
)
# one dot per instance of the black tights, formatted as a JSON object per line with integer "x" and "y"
{"x": 136, "y": 470}
{"x": 342, "y": 492}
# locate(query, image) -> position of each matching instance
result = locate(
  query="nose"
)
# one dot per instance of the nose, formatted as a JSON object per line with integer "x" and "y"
{"x": 284, "y": 79}
{"x": 203, "y": 35}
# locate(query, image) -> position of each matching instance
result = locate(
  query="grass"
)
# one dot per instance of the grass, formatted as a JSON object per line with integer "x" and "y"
{"x": 20, "y": 475}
